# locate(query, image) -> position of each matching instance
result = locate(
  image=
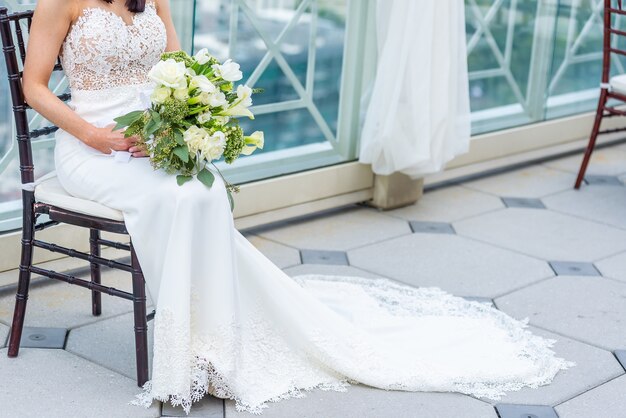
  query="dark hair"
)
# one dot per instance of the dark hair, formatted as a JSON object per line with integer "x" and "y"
{"x": 135, "y": 6}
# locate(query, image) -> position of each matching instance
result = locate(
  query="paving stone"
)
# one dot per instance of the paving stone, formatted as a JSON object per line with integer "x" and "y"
{"x": 281, "y": 255}
{"x": 346, "y": 229}
{"x": 605, "y": 401}
{"x": 545, "y": 234}
{"x": 4, "y": 334}
{"x": 365, "y": 402}
{"x": 110, "y": 343}
{"x": 532, "y": 182}
{"x": 606, "y": 161}
{"x": 621, "y": 357}
{"x": 324, "y": 257}
{"x": 572, "y": 268}
{"x": 458, "y": 265}
{"x": 603, "y": 181}
{"x": 208, "y": 407}
{"x": 613, "y": 267}
{"x": 596, "y": 203}
{"x": 328, "y": 269}
{"x": 35, "y": 337}
{"x": 523, "y": 202}
{"x": 55, "y": 383}
{"x": 56, "y": 304}
{"x": 447, "y": 205}
{"x": 589, "y": 309}
{"x": 594, "y": 366}
{"x": 422, "y": 227}
{"x": 525, "y": 411}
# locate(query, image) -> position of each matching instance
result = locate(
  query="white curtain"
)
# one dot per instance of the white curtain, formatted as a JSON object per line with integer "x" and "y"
{"x": 418, "y": 114}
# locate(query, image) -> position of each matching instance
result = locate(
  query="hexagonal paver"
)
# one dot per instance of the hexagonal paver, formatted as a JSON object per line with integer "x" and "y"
{"x": 365, "y": 402}
{"x": 447, "y": 205}
{"x": 458, "y": 265}
{"x": 343, "y": 230}
{"x": 533, "y": 182}
{"x": 613, "y": 267}
{"x": 606, "y": 401}
{"x": 606, "y": 161}
{"x": 545, "y": 234}
{"x": 597, "y": 203}
{"x": 594, "y": 366}
{"x": 109, "y": 343}
{"x": 56, "y": 304}
{"x": 207, "y": 407}
{"x": 55, "y": 383}
{"x": 589, "y": 309}
{"x": 281, "y": 255}
{"x": 4, "y": 334}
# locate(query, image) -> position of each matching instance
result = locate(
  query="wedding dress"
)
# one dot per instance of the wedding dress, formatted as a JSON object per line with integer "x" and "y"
{"x": 231, "y": 323}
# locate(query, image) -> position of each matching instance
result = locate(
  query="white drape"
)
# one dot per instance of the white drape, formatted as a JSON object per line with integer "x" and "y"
{"x": 418, "y": 115}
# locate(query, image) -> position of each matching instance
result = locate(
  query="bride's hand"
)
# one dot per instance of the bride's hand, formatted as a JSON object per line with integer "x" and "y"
{"x": 106, "y": 139}
{"x": 138, "y": 151}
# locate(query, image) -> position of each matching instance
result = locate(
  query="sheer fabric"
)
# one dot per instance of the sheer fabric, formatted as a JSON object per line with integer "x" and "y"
{"x": 231, "y": 323}
{"x": 418, "y": 114}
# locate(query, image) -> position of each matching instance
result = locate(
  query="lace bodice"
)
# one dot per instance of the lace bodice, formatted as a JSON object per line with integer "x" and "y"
{"x": 102, "y": 51}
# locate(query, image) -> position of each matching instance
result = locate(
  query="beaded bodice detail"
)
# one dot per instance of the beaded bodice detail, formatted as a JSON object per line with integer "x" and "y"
{"x": 102, "y": 51}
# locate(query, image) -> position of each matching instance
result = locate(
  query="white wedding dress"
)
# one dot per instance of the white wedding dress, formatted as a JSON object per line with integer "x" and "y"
{"x": 231, "y": 323}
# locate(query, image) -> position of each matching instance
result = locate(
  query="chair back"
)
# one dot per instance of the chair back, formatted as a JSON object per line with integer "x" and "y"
{"x": 612, "y": 34}
{"x": 12, "y": 27}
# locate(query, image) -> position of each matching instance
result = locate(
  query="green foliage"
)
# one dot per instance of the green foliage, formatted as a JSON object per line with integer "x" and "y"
{"x": 234, "y": 143}
{"x": 206, "y": 177}
{"x": 178, "y": 56}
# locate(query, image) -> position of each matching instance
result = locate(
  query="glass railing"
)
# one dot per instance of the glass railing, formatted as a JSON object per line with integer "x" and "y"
{"x": 529, "y": 61}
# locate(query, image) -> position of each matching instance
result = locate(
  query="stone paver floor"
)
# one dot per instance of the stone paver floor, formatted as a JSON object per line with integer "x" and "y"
{"x": 523, "y": 240}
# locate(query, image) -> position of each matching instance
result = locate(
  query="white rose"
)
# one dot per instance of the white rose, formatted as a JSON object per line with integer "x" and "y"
{"x": 203, "y": 56}
{"x": 203, "y": 83}
{"x": 195, "y": 137}
{"x": 204, "y": 117}
{"x": 181, "y": 94}
{"x": 160, "y": 95}
{"x": 244, "y": 95}
{"x": 229, "y": 71}
{"x": 254, "y": 141}
{"x": 169, "y": 73}
{"x": 213, "y": 146}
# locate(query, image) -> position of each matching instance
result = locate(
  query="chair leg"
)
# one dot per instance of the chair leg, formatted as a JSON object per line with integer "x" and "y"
{"x": 141, "y": 323}
{"x": 592, "y": 139}
{"x": 96, "y": 297}
{"x": 21, "y": 296}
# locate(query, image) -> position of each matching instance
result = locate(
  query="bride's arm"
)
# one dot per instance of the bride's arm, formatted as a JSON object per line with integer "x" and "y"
{"x": 164, "y": 12}
{"x": 51, "y": 22}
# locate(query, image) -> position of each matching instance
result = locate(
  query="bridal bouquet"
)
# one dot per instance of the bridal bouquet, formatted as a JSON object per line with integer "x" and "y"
{"x": 191, "y": 120}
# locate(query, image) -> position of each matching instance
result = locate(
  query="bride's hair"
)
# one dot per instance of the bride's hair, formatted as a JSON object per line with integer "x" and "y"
{"x": 135, "y": 6}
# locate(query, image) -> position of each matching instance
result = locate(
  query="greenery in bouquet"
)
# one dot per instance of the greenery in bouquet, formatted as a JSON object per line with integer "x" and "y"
{"x": 191, "y": 118}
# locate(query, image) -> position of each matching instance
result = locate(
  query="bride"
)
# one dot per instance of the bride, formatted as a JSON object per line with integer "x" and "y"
{"x": 229, "y": 322}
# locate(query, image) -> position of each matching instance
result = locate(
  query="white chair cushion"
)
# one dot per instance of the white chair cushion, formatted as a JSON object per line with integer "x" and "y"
{"x": 51, "y": 192}
{"x": 618, "y": 83}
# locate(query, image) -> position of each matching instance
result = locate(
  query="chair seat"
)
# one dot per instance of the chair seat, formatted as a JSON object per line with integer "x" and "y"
{"x": 51, "y": 192}
{"x": 618, "y": 83}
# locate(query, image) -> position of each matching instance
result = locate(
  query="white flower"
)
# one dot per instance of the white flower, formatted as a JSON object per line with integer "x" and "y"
{"x": 195, "y": 137}
{"x": 217, "y": 99}
{"x": 203, "y": 83}
{"x": 169, "y": 73}
{"x": 244, "y": 95}
{"x": 204, "y": 117}
{"x": 221, "y": 120}
{"x": 181, "y": 94}
{"x": 254, "y": 141}
{"x": 160, "y": 95}
{"x": 203, "y": 56}
{"x": 213, "y": 147}
{"x": 238, "y": 110}
{"x": 229, "y": 71}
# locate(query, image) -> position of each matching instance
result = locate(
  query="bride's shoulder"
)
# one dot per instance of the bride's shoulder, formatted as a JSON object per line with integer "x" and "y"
{"x": 62, "y": 9}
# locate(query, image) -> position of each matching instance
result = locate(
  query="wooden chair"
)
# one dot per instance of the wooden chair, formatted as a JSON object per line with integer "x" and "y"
{"x": 49, "y": 198}
{"x": 611, "y": 87}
